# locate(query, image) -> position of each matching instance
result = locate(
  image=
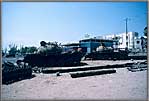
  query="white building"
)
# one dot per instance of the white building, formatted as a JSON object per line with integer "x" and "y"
{"x": 130, "y": 41}
{"x": 138, "y": 46}
{"x": 133, "y": 41}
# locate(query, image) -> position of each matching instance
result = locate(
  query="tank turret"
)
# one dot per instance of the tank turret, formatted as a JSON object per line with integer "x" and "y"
{"x": 49, "y": 48}
{"x": 103, "y": 48}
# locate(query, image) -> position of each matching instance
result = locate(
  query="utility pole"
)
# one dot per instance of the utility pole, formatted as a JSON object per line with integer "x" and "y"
{"x": 126, "y": 20}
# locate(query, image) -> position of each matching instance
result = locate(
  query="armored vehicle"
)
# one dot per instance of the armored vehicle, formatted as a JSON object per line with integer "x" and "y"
{"x": 107, "y": 53}
{"x": 50, "y": 54}
{"x": 12, "y": 72}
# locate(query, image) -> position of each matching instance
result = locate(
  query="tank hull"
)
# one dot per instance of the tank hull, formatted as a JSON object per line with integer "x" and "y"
{"x": 108, "y": 55}
{"x": 52, "y": 60}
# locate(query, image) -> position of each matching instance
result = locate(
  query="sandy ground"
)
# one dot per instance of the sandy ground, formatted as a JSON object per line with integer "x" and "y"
{"x": 110, "y": 62}
{"x": 122, "y": 85}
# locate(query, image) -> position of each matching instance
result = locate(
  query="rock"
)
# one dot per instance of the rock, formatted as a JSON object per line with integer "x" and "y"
{"x": 58, "y": 74}
{"x": 131, "y": 59}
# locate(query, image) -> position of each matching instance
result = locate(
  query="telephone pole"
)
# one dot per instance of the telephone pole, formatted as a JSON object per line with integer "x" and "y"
{"x": 126, "y": 20}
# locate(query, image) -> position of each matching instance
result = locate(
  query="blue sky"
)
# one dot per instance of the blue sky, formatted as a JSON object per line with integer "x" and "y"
{"x": 28, "y": 23}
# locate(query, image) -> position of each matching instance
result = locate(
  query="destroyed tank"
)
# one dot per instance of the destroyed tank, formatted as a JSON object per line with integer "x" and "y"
{"x": 50, "y": 54}
{"x": 12, "y": 72}
{"x": 107, "y": 53}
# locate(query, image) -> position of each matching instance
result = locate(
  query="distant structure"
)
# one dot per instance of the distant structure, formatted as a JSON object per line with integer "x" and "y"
{"x": 70, "y": 47}
{"x": 92, "y": 43}
{"x": 133, "y": 41}
{"x": 88, "y": 45}
{"x": 130, "y": 42}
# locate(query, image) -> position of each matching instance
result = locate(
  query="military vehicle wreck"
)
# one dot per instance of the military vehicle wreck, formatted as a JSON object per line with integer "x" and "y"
{"x": 12, "y": 72}
{"x": 50, "y": 54}
{"x": 107, "y": 53}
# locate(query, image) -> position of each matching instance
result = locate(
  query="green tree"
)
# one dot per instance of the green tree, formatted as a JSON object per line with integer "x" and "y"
{"x": 13, "y": 49}
{"x": 145, "y": 31}
{"x": 23, "y": 50}
{"x": 31, "y": 49}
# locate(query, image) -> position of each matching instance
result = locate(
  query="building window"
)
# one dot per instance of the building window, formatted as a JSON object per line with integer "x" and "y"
{"x": 126, "y": 43}
{"x": 138, "y": 42}
{"x": 116, "y": 43}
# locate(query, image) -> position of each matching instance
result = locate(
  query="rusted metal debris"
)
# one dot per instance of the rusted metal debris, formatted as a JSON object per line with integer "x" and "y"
{"x": 12, "y": 72}
{"x": 138, "y": 66}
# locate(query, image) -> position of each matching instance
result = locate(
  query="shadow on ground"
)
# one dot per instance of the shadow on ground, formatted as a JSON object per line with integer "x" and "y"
{"x": 17, "y": 80}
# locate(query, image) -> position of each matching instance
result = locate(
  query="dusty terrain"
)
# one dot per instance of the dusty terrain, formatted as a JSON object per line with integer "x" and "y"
{"x": 122, "y": 85}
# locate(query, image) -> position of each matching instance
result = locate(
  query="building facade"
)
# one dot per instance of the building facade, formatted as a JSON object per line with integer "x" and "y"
{"x": 93, "y": 43}
{"x": 133, "y": 41}
{"x": 137, "y": 44}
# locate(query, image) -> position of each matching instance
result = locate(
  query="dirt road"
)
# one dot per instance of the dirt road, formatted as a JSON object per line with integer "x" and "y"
{"x": 121, "y": 85}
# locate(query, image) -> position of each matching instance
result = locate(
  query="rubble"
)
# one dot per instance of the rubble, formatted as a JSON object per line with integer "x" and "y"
{"x": 138, "y": 66}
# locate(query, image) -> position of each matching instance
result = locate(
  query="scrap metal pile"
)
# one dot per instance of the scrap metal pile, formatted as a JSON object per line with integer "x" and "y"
{"x": 12, "y": 72}
{"x": 138, "y": 67}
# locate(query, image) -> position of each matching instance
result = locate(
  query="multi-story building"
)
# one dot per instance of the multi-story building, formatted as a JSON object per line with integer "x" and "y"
{"x": 144, "y": 43}
{"x": 132, "y": 42}
{"x": 137, "y": 44}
